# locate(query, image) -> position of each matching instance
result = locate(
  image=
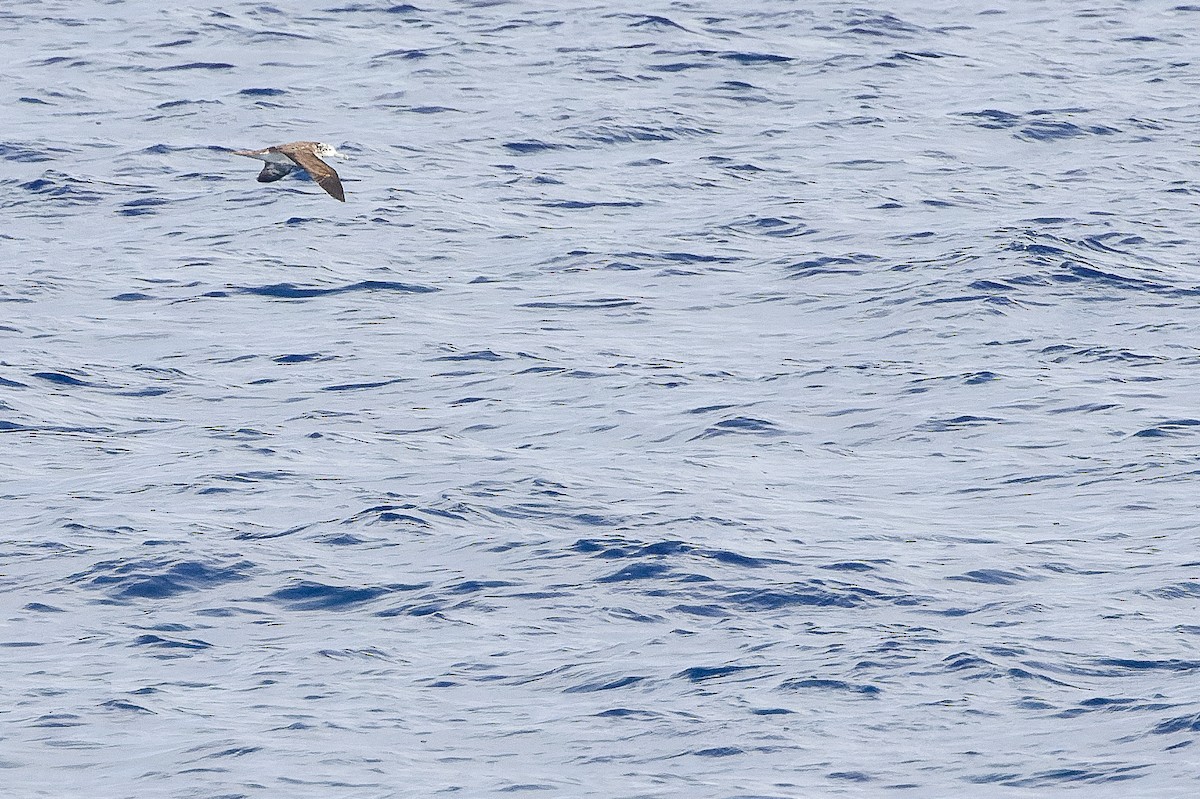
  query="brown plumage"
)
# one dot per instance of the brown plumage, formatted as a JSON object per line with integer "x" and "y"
{"x": 283, "y": 159}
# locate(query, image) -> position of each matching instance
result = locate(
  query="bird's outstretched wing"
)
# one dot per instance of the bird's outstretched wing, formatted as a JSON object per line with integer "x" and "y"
{"x": 318, "y": 170}
{"x": 273, "y": 171}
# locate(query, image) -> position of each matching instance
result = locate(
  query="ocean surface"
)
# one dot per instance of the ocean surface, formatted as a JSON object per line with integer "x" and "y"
{"x": 691, "y": 399}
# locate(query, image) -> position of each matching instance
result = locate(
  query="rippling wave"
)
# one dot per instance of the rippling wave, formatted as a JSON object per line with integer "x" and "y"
{"x": 688, "y": 400}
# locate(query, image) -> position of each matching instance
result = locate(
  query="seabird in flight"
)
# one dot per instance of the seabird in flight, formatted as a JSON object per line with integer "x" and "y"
{"x": 284, "y": 159}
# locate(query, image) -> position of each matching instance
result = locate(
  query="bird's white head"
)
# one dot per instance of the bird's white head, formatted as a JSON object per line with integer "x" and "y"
{"x": 323, "y": 150}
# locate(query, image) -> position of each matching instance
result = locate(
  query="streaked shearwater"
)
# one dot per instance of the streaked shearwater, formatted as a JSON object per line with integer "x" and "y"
{"x": 284, "y": 159}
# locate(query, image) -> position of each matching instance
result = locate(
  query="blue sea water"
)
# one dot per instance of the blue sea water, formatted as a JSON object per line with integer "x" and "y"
{"x": 691, "y": 399}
